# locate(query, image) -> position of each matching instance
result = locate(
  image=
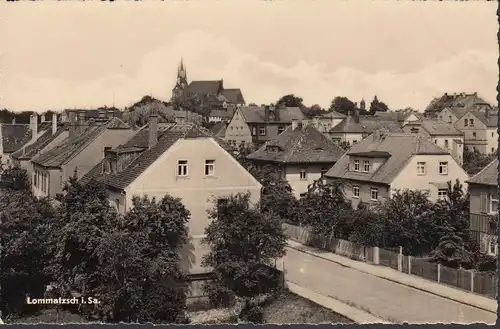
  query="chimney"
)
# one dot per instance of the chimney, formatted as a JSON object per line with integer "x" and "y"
{"x": 153, "y": 130}
{"x": 376, "y": 135}
{"x": 34, "y": 126}
{"x": 14, "y": 121}
{"x": 487, "y": 111}
{"x": 72, "y": 126}
{"x": 277, "y": 113}
{"x": 54, "y": 123}
{"x": 295, "y": 124}
{"x": 106, "y": 149}
{"x": 266, "y": 113}
{"x": 356, "y": 115}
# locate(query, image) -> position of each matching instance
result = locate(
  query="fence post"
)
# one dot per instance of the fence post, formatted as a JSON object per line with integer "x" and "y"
{"x": 409, "y": 264}
{"x": 400, "y": 260}
{"x": 439, "y": 273}
{"x": 376, "y": 255}
{"x": 471, "y": 281}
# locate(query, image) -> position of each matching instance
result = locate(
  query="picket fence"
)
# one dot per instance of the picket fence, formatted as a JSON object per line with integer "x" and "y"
{"x": 482, "y": 283}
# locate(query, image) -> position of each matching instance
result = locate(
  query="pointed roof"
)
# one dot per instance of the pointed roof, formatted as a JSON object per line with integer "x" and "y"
{"x": 487, "y": 176}
{"x": 304, "y": 144}
{"x": 253, "y": 114}
{"x": 436, "y": 128}
{"x": 35, "y": 148}
{"x": 366, "y": 124}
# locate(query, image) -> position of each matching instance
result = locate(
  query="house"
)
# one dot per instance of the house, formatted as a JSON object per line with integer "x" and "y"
{"x": 301, "y": 153}
{"x": 50, "y": 137}
{"x": 77, "y": 154}
{"x": 182, "y": 160}
{"x": 443, "y": 134}
{"x": 14, "y": 136}
{"x": 452, "y": 114}
{"x": 325, "y": 122}
{"x": 259, "y": 124}
{"x": 355, "y": 128}
{"x": 100, "y": 114}
{"x": 462, "y": 100}
{"x": 480, "y": 131}
{"x": 379, "y": 165}
{"x": 403, "y": 117}
{"x": 483, "y": 191}
{"x": 222, "y": 114}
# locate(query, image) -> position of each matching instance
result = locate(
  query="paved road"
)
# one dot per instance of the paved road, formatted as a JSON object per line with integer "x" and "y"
{"x": 382, "y": 298}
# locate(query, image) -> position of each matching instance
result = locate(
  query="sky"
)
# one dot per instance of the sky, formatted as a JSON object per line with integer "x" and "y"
{"x": 56, "y": 55}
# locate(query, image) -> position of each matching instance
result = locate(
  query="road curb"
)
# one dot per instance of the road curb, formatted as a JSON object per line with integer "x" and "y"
{"x": 392, "y": 280}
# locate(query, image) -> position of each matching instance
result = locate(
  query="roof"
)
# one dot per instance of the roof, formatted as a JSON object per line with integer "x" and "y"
{"x": 400, "y": 147}
{"x": 205, "y": 87}
{"x": 219, "y": 129}
{"x": 366, "y": 124}
{"x": 255, "y": 114}
{"x": 490, "y": 120}
{"x": 234, "y": 96}
{"x": 457, "y": 111}
{"x": 14, "y": 136}
{"x": 61, "y": 154}
{"x": 437, "y": 128}
{"x": 487, "y": 176}
{"x": 334, "y": 115}
{"x": 227, "y": 113}
{"x": 398, "y": 116}
{"x": 168, "y": 135}
{"x": 45, "y": 139}
{"x": 461, "y": 100}
{"x": 304, "y": 144}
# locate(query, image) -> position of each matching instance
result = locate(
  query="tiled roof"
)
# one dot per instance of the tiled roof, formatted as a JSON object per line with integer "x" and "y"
{"x": 227, "y": 113}
{"x": 397, "y": 116}
{"x": 168, "y": 134}
{"x": 67, "y": 150}
{"x": 255, "y": 114}
{"x": 457, "y": 111}
{"x": 234, "y": 96}
{"x": 401, "y": 148}
{"x": 205, "y": 87}
{"x": 461, "y": 100}
{"x": 487, "y": 176}
{"x": 334, "y": 114}
{"x": 45, "y": 139}
{"x": 490, "y": 120}
{"x": 437, "y": 128}
{"x": 219, "y": 129}
{"x": 366, "y": 124}
{"x": 14, "y": 136}
{"x": 302, "y": 145}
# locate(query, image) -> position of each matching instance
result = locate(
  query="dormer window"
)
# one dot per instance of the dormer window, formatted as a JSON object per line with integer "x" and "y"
{"x": 272, "y": 148}
{"x": 366, "y": 167}
{"x": 356, "y": 165}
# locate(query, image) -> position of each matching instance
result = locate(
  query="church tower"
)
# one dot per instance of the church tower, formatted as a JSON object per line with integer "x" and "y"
{"x": 181, "y": 82}
{"x": 362, "y": 105}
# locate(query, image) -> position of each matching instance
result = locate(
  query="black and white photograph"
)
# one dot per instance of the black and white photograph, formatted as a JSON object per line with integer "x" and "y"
{"x": 233, "y": 162}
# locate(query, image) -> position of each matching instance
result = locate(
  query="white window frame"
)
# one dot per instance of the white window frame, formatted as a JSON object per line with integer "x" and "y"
{"x": 354, "y": 189}
{"x": 492, "y": 210}
{"x": 492, "y": 243}
{"x": 474, "y": 135}
{"x": 303, "y": 174}
{"x": 366, "y": 164}
{"x": 443, "y": 168}
{"x": 446, "y": 144}
{"x": 254, "y": 131}
{"x": 262, "y": 131}
{"x": 374, "y": 189}
{"x": 421, "y": 165}
{"x": 442, "y": 193}
{"x": 356, "y": 165}
{"x": 182, "y": 168}
{"x": 209, "y": 163}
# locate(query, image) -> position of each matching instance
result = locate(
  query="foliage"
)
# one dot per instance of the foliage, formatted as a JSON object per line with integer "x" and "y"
{"x": 290, "y": 100}
{"x": 313, "y": 111}
{"x": 366, "y": 227}
{"x": 342, "y": 105}
{"x": 242, "y": 241}
{"x": 15, "y": 178}
{"x": 252, "y": 313}
{"x": 474, "y": 161}
{"x": 345, "y": 145}
{"x": 376, "y": 106}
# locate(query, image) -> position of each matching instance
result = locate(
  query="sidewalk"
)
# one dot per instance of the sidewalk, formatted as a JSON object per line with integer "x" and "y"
{"x": 441, "y": 290}
{"x": 352, "y": 313}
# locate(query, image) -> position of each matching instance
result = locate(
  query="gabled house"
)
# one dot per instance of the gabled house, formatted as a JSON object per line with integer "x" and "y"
{"x": 325, "y": 122}
{"x": 462, "y": 100}
{"x": 480, "y": 131}
{"x": 483, "y": 191}
{"x": 373, "y": 169}
{"x": 442, "y": 134}
{"x": 53, "y": 135}
{"x": 260, "y": 124}
{"x": 222, "y": 114}
{"x": 219, "y": 129}
{"x": 451, "y": 114}
{"x": 301, "y": 153}
{"x": 182, "y": 160}
{"x": 14, "y": 136}
{"x": 401, "y": 117}
{"x": 355, "y": 128}
{"x": 77, "y": 154}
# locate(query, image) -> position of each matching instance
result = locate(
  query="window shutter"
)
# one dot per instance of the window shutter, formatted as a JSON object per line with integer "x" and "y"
{"x": 484, "y": 202}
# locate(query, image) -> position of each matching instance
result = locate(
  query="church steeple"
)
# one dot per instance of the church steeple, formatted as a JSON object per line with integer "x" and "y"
{"x": 181, "y": 82}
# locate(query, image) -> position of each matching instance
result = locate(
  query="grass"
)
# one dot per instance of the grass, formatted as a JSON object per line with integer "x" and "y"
{"x": 49, "y": 315}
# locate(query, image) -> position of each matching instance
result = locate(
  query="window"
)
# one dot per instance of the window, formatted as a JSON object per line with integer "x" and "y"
{"x": 492, "y": 150}
{"x": 182, "y": 168}
{"x": 356, "y": 165}
{"x": 492, "y": 135}
{"x": 466, "y": 122}
{"x": 254, "y": 131}
{"x": 303, "y": 195}
{"x": 374, "y": 194}
{"x": 209, "y": 167}
{"x": 303, "y": 174}
{"x": 435, "y": 141}
{"x": 420, "y": 168}
{"x": 117, "y": 204}
{"x": 493, "y": 205}
{"x": 492, "y": 247}
{"x": 323, "y": 171}
{"x": 336, "y": 140}
{"x": 449, "y": 118}
{"x": 366, "y": 166}
{"x": 34, "y": 179}
{"x": 440, "y": 117}
{"x": 355, "y": 191}
{"x": 262, "y": 131}
{"x": 442, "y": 193}
{"x": 446, "y": 144}
{"x": 354, "y": 142}
{"x": 488, "y": 204}
{"x": 443, "y": 168}
{"x": 472, "y": 122}
{"x": 474, "y": 135}
{"x": 281, "y": 129}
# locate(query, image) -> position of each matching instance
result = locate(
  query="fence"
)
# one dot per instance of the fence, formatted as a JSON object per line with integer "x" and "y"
{"x": 482, "y": 283}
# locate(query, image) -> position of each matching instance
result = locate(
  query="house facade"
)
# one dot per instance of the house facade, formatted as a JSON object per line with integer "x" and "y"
{"x": 326, "y": 122}
{"x": 182, "y": 160}
{"x": 480, "y": 131}
{"x": 301, "y": 154}
{"x": 451, "y": 114}
{"x": 383, "y": 163}
{"x": 483, "y": 191}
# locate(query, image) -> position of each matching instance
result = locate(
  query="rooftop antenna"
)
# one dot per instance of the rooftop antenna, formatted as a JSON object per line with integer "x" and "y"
{"x": 113, "y": 98}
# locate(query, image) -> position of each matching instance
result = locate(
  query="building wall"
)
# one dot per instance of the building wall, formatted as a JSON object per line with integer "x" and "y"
{"x": 272, "y": 129}
{"x": 299, "y": 186}
{"x": 447, "y": 116}
{"x": 455, "y": 148}
{"x": 237, "y": 130}
{"x": 351, "y": 138}
{"x": 54, "y": 181}
{"x": 480, "y": 141}
{"x": 480, "y": 222}
{"x": 409, "y": 179}
{"x": 492, "y": 140}
{"x": 364, "y": 192}
{"x": 197, "y": 191}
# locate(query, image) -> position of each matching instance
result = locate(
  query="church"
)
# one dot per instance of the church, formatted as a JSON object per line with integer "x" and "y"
{"x": 210, "y": 91}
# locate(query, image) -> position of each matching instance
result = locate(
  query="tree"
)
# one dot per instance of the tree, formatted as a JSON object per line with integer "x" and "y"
{"x": 312, "y": 111}
{"x": 377, "y": 106}
{"x": 474, "y": 161}
{"x": 367, "y": 228}
{"x": 14, "y": 178}
{"x": 290, "y": 100}
{"x": 242, "y": 241}
{"x": 342, "y": 105}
